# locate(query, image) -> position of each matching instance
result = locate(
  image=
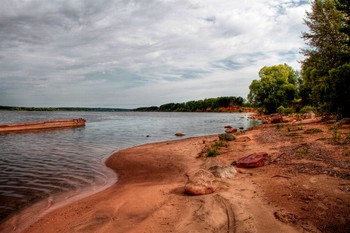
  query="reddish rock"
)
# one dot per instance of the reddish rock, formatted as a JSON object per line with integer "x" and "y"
{"x": 179, "y": 134}
{"x": 253, "y": 160}
{"x": 276, "y": 119}
{"x": 231, "y": 130}
{"x": 201, "y": 182}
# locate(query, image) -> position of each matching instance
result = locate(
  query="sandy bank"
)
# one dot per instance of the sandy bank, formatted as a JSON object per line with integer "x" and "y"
{"x": 304, "y": 188}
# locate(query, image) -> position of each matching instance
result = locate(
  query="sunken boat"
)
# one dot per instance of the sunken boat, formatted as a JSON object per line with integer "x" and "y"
{"x": 39, "y": 125}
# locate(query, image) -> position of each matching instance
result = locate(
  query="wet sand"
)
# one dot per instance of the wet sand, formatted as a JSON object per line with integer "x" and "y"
{"x": 304, "y": 188}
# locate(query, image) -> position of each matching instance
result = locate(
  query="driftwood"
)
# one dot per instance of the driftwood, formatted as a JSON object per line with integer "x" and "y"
{"x": 49, "y": 124}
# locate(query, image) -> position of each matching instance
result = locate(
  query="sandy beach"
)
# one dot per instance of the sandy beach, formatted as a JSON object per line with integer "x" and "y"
{"x": 305, "y": 187}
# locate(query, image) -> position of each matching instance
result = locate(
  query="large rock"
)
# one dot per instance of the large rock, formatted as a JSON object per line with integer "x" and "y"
{"x": 253, "y": 160}
{"x": 201, "y": 182}
{"x": 225, "y": 171}
{"x": 227, "y": 137}
{"x": 231, "y": 130}
{"x": 179, "y": 134}
{"x": 276, "y": 119}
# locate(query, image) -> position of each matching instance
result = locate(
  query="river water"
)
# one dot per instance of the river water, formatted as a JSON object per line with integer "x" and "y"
{"x": 37, "y": 165}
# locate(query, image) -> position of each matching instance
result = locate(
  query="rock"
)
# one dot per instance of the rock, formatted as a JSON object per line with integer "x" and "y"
{"x": 225, "y": 171}
{"x": 231, "y": 130}
{"x": 227, "y": 137}
{"x": 228, "y": 127}
{"x": 253, "y": 160}
{"x": 179, "y": 134}
{"x": 201, "y": 182}
{"x": 276, "y": 119}
{"x": 270, "y": 119}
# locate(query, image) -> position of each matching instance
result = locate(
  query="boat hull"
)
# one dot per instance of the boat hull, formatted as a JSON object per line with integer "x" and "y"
{"x": 49, "y": 124}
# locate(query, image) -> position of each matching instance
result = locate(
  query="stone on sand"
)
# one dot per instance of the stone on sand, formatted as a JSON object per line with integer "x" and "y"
{"x": 225, "y": 171}
{"x": 252, "y": 160}
{"x": 201, "y": 182}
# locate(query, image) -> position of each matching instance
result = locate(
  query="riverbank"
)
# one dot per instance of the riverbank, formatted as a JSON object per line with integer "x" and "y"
{"x": 304, "y": 188}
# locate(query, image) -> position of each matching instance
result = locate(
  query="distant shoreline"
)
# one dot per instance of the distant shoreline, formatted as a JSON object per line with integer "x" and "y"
{"x": 146, "y": 109}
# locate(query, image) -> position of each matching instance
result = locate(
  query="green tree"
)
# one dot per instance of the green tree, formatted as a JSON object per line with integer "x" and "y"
{"x": 277, "y": 87}
{"x": 325, "y": 67}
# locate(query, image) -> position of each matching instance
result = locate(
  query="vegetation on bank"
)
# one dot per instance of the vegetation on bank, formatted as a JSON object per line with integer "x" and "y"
{"x": 219, "y": 104}
{"x": 324, "y": 82}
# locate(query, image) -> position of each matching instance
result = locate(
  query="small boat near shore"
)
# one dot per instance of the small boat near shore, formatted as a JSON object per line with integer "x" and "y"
{"x": 38, "y": 125}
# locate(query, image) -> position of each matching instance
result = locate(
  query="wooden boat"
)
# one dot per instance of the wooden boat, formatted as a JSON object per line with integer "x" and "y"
{"x": 49, "y": 124}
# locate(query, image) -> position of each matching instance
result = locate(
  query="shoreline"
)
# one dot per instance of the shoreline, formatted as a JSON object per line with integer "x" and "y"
{"x": 283, "y": 196}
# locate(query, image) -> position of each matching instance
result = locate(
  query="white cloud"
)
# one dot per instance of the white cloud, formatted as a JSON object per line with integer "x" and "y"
{"x": 134, "y": 53}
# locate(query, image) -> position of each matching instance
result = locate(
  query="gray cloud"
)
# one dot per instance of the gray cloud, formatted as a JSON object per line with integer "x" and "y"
{"x": 134, "y": 53}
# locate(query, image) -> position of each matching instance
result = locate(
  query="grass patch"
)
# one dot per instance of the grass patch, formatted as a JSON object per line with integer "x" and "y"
{"x": 312, "y": 131}
{"x": 294, "y": 134}
{"x": 290, "y": 129}
{"x": 301, "y": 153}
{"x": 279, "y": 126}
{"x": 213, "y": 150}
{"x": 336, "y": 136}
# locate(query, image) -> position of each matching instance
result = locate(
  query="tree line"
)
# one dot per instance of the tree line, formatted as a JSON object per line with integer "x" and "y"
{"x": 324, "y": 81}
{"x": 229, "y": 103}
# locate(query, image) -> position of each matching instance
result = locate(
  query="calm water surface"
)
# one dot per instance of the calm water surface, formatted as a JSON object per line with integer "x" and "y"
{"x": 36, "y": 165}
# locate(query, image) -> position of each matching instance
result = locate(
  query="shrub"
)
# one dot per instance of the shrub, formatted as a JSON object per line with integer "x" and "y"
{"x": 280, "y": 109}
{"x": 307, "y": 109}
{"x": 285, "y": 111}
{"x": 213, "y": 152}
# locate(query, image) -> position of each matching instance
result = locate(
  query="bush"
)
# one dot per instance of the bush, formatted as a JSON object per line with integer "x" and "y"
{"x": 213, "y": 152}
{"x": 307, "y": 109}
{"x": 285, "y": 111}
{"x": 280, "y": 109}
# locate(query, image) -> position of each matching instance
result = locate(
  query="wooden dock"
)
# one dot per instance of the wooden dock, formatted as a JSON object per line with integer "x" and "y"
{"x": 49, "y": 124}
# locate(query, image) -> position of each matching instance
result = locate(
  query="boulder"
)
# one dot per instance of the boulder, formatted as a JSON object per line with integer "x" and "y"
{"x": 227, "y": 137}
{"x": 179, "y": 134}
{"x": 231, "y": 130}
{"x": 201, "y": 182}
{"x": 225, "y": 171}
{"x": 253, "y": 160}
{"x": 276, "y": 119}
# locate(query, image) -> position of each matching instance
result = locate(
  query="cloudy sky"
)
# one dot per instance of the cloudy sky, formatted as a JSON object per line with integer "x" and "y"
{"x": 132, "y": 53}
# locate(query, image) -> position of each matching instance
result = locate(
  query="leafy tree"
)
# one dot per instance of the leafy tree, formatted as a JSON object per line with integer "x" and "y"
{"x": 277, "y": 87}
{"x": 325, "y": 70}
